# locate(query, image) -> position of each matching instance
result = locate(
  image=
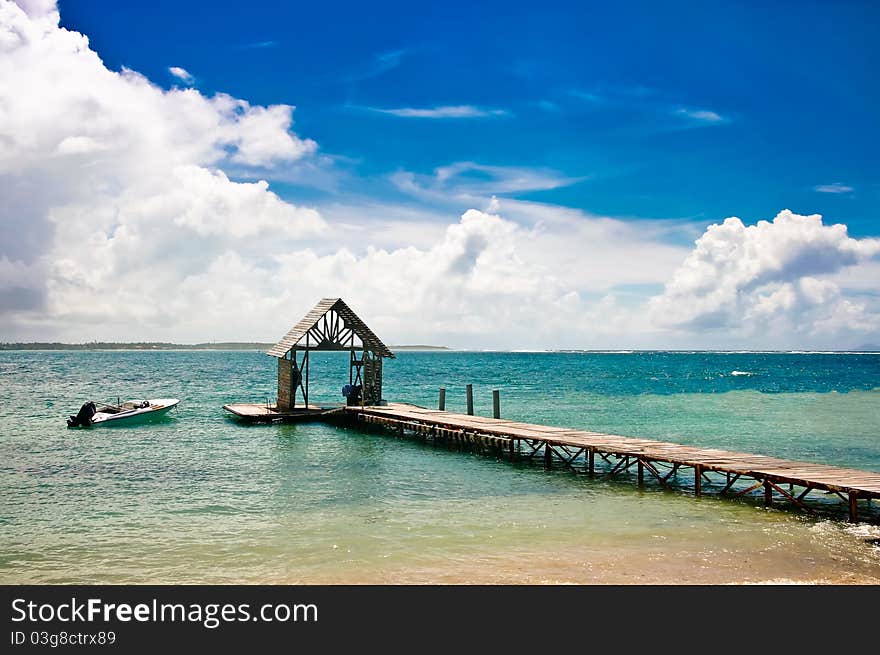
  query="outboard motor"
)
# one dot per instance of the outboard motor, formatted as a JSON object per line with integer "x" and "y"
{"x": 84, "y": 417}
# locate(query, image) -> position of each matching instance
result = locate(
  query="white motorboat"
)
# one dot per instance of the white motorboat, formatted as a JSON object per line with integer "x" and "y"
{"x": 131, "y": 411}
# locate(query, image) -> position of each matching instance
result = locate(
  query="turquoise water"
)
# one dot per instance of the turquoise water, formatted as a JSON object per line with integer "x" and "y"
{"x": 200, "y": 498}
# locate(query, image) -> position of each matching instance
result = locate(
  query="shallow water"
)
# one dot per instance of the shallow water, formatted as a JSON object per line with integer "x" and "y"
{"x": 200, "y": 498}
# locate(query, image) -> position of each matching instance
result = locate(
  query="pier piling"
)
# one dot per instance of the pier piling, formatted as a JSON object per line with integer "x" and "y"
{"x": 442, "y": 404}
{"x": 470, "y": 399}
{"x": 496, "y": 403}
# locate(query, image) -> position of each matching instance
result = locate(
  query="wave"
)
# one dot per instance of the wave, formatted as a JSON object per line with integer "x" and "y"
{"x": 741, "y": 373}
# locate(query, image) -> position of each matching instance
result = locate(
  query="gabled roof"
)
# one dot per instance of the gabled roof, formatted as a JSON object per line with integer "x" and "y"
{"x": 330, "y": 341}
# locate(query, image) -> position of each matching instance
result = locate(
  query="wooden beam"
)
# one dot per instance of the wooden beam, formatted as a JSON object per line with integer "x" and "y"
{"x": 853, "y": 506}
{"x": 730, "y": 482}
{"x": 442, "y": 404}
{"x": 648, "y": 465}
{"x": 698, "y": 480}
{"x": 496, "y": 403}
{"x": 469, "y": 389}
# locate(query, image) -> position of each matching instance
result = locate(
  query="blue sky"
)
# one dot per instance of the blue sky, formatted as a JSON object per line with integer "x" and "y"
{"x": 674, "y": 110}
{"x": 478, "y": 175}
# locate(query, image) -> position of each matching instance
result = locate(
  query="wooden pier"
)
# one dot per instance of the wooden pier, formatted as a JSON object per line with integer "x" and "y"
{"x": 733, "y": 474}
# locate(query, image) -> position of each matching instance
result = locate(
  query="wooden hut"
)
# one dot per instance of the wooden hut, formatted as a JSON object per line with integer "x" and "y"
{"x": 330, "y": 325}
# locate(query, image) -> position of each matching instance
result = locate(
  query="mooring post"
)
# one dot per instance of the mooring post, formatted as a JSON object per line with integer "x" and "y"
{"x": 496, "y": 403}
{"x": 853, "y": 506}
{"x": 470, "y": 399}
{"x": 698, "y": 480}
{"x": 442, "y": 405}
{"x": 768, "y": 494}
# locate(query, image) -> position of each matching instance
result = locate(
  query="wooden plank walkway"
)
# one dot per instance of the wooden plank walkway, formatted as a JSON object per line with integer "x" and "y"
{"x": 578, "y": 449}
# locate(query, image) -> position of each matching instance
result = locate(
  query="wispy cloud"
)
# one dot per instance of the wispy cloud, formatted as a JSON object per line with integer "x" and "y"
{"x": 445, "y": 111}
{"x": 623, "y": 95}
{"x": 837, "y": 187}
{"x": 260, "y": 44}
{"x": 585, "y": 95}
{"x": 548, "y": 105}
{"x": 647, "y": 101}
{"x": 182, "y": 74}
{"x": 470, "y": 181}
{"x": 380, "y": 64}
{"x": 700, "y": 115}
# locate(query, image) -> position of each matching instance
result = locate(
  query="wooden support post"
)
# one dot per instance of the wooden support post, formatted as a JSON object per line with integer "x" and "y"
{"x": 470, "y": 399}
{"x": 853, "y": 506}
{"x": 768, "y": 494}
{"x": 496, "y": 403}
{"x": 548, "y": 456}
{"x": 592, "y": 465}
{"x": 641, "y": 470}
{"x": 698, "y": 480}
{"x": 442, "y": 404}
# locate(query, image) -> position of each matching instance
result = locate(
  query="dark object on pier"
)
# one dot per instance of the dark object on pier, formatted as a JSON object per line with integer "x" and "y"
{"x": 352, "y": 393}
{"x": 84, "y": 416}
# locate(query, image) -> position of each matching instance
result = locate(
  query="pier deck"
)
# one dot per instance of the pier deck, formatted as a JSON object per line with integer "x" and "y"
{"x": 737, "y": 474}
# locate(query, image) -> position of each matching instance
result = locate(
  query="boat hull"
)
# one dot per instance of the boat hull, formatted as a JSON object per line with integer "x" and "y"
{"x": 157, "y": 408}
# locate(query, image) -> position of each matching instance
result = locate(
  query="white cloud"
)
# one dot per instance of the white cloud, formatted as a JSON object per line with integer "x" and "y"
{"x": 256, "y": 45}
{"x": 446, "y": 111}
{"x": 700, "y": 115}
{"x": 181, "y": 74}
{"x": 471, "y": 181}
{"x": 837, "y": 187}
{"x": 769, "y": 276}
{"x": 105, "y": 178}
{"x": 127, "y": 226}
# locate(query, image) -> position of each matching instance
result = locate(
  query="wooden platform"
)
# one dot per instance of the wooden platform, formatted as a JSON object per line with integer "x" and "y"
{"x": 737, "y": 474}
{"x": 262, "y": 413}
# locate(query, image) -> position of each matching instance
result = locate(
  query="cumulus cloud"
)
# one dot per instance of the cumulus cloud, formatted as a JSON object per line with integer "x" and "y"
{"x": 100, "y": 168}
{"x": 773, "y": 275}
{"x": 127, "y": 224}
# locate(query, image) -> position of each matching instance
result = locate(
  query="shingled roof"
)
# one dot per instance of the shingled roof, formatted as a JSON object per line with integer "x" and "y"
{"x": 352, "y": 321}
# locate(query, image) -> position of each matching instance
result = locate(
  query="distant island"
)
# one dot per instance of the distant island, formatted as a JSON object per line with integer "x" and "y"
{"x": 419, "y": 347}
{"x": 157, "y": 345}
